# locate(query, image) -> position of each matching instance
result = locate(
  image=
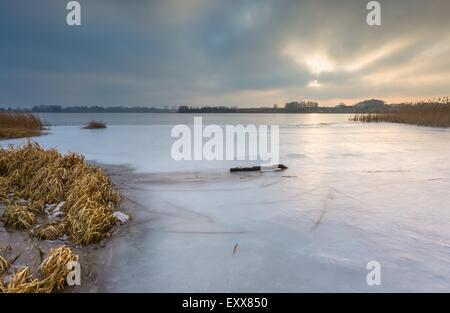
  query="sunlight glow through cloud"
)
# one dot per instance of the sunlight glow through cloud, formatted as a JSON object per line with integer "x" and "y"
{"x": 314, "y": 84}
{"x": 315, "y": 62}
{"x": 373, "y": 56}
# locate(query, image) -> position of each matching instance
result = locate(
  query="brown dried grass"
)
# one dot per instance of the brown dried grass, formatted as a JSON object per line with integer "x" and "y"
{"x": 431, "y": 113}
{"x": 53, "y": 273}
{"x": 18, "y": 125}
{"x": 21, "y": 282}
{"x": 31, "y": 178}
{"x": 54, "y": 269}
{"x": 4, "y": 265}
{"x": 47, "y": 177}
{"x": 95, "y": 125}
{"x": 50, "y": 231}
{"x": 18, "y": 216}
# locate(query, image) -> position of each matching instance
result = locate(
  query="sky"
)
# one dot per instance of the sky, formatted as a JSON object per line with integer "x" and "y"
{"x": 249, "y": 53}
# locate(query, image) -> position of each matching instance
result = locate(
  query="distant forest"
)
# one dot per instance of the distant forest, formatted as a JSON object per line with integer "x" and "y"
{"x": 373, "y": 105}
{"x": 366, "y": 106}
{"x": 89, "y": 109}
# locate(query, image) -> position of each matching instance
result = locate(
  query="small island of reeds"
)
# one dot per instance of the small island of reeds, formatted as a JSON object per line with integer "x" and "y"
{"x": 19, "y": 125}
{"x": 94, "y": 125}
{"x": 430, "y": 113}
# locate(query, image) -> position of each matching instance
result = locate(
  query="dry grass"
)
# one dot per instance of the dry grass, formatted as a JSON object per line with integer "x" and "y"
{"x": 54, "y": 269}
{"x": 53, "y": 272}
{"x": 4, "y": 265}
{"x": 46, "y": 177}
{"x": 21, "y": 282}
{"x": 430, "y": 113}
{"x": 34, "y": 181}
{"x": 50, "y": 231}
{"x": 18, "y": 125}
{"x": 18, "y": 216}
{"x": 95, "y": 125}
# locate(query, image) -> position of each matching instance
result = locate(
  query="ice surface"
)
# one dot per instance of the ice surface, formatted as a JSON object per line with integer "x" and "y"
{"x": 353, "y": 193}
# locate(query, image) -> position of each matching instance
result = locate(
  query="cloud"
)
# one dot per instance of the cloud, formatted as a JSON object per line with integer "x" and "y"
{"x": 198, "y": 52}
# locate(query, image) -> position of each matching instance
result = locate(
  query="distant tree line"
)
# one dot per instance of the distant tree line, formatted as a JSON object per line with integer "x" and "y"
{"x": 301, "y": 105}
{"x": 206, "y": 109}
{"x": 89, "y": 109}
{"x": 366, "y": 106}
{"x": 372, "y": 105}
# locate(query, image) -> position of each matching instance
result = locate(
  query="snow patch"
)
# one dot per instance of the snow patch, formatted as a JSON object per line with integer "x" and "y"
{"x": 121, "y": 217}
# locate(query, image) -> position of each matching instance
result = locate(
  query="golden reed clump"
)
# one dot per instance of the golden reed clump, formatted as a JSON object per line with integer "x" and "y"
{"x": 21, "y": 282}
{"x": 52, "y": 274}
{"x": 32, "y": 177}
{"x": 54, "y": 269}
{"x": 434, "y": 113}
{"x": 18, "y": 125}
{"x": 51, "y": 231}
{"x": 95, "y": 125}
{"x": 4, "y": 265}
{"x": 19, "y": 216}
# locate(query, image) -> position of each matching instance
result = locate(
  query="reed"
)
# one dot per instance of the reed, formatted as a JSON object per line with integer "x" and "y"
{"x": 21, "y": 282}
{"x": 18, "y": 125}
{"x": 4, "y": 265}
{"x": 50, "y": 231}
{"x": 54, "y": 269}
{"x": 18, "y": 216}
{"x": 434, "y": 113}
{"x": 51, "y": 277}
{"x": 94, "y": 125}
{"x": 32, "y": 178}
{"x": 35, "y": 181}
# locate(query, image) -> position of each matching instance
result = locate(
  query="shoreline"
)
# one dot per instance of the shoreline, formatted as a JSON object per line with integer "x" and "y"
{"x": 51, "y": 204}
{"x": 26, "y": 250}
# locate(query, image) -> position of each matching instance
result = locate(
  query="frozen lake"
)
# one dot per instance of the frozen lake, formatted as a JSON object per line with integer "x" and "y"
{"x": 353, "y": 193}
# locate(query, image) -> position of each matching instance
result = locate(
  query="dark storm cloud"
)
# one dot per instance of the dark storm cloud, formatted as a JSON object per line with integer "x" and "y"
{"x": 200, "y": 52}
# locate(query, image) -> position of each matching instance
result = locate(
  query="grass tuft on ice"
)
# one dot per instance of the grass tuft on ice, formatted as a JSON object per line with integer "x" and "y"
{"x": 51, "y": 277}
{"x": 94, "y": 125}
{"x": 32, "y": 177}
